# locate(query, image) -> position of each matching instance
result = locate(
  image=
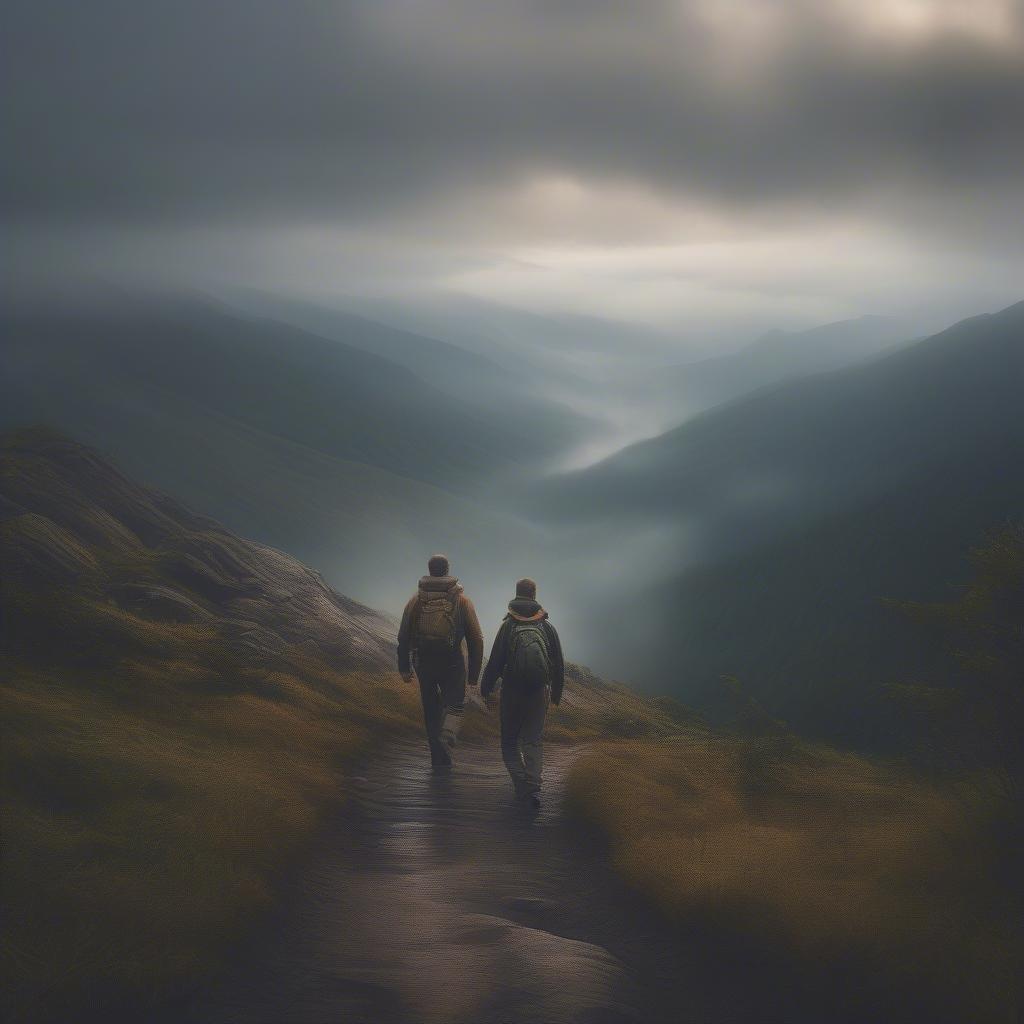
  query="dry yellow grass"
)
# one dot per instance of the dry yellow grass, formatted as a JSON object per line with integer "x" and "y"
{"x": 155, "y": 783}
{"x": 173, "y": 729}
{"x": 149, "y": 800}
{"x": 824, "y": 854}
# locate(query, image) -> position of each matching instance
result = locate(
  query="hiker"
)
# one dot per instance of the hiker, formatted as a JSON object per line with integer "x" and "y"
{"x": 435, "y": 622}
{"x": 527, "y": 657}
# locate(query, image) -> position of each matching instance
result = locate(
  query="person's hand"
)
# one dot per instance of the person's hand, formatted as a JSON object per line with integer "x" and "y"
{"x": 406, "y": 677}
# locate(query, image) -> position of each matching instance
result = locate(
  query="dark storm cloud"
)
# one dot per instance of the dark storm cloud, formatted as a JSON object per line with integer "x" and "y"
{"x": 128, "y": 113}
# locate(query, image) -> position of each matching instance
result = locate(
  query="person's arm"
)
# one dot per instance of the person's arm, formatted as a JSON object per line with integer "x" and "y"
{"x": 496, "y": 662}
{"x": 404, "y": 637}
{"x": 474, "y": 640}
{"x": 557, "y": 665}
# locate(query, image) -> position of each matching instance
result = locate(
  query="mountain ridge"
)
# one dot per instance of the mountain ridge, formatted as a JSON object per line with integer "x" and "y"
{"x": 685, "y": 391}
{"x": 770, "y": 403}
{"x": 783, "y": 520}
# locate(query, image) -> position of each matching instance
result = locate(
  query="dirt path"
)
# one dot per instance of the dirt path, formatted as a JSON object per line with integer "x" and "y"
{"x": 437, "y": 900}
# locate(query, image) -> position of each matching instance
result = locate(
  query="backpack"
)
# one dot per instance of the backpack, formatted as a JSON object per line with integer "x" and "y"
{"x": 436, "y": 629}
{"x": 528, "y": 662}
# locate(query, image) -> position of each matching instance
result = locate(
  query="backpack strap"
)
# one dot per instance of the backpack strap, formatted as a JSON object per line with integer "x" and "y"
{"x": 454, "y": 596}
{"x": 458, "y": 625}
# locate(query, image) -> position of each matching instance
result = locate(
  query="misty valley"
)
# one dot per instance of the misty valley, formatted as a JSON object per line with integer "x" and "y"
{"x": 793, "y": 572}
{"x": 796, "y": 484}
{"x": 512, "y": 513}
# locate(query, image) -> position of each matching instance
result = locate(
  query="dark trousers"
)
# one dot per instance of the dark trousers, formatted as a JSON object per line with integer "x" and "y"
{"x": 443, "y": 693}
{"x": 522, "y": 729}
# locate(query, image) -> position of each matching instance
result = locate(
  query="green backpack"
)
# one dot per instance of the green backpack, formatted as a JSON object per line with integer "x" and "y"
{"x": 528, "y": 662}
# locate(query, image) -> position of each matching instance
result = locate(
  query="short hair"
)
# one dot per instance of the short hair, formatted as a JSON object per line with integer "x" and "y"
{"x": 438, "y": 565}
{"x": 526, "y": 588}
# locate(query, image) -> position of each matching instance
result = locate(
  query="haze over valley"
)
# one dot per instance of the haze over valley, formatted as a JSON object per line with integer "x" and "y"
{"x": 785, "y": 480}
{"x": 690, "y": 333}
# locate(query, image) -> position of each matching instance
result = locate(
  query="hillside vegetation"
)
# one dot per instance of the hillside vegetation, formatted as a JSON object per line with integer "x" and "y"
{"x": 177, "y": 709}
{"x": 180, "y": 709}
{"x": 783, "y": 520}
{"x": 822, "y": 859}
{"x": 912, "y": 872}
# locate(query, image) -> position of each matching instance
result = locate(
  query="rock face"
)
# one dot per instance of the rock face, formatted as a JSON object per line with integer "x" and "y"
{"x": 70, "y": 519}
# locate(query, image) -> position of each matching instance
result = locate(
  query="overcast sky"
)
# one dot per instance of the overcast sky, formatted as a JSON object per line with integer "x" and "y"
{"x": 673, "y": 163}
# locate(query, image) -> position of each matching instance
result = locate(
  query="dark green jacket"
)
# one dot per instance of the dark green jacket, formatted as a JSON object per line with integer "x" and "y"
{"x": 524, "y": 610}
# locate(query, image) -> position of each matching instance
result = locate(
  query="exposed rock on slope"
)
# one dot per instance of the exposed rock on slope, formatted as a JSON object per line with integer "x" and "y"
{"x": 179, "y": 710}
{"x": 68, "y": 517}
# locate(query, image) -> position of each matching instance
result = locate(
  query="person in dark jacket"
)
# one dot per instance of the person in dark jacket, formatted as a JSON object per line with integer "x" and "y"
{"x": 527, "y": 657}
{"x": 437, "y": 620}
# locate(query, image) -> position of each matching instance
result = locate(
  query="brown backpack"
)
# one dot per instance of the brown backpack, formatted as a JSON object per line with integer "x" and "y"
{"x": 436, "y": 625}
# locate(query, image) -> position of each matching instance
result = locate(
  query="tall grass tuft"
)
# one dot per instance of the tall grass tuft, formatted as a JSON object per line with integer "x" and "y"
{"x": 154, "y": 783}
{"x": 827, "y": 856}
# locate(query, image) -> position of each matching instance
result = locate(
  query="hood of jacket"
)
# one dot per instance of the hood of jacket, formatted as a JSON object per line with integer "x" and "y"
{"x": 525, "y": 609}
{"x": 440, "y": 583}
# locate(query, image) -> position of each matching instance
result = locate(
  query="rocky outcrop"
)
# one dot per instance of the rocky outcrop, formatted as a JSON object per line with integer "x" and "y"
{"x": 35, "y": 546}
{"x": 70, "y": 519}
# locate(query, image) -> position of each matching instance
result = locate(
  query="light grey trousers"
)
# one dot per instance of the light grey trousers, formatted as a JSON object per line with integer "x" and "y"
{"x": 522, "y": 729}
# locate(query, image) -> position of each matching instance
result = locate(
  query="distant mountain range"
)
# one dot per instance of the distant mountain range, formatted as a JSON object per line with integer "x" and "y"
{"x": 343, "y": 457}
{"x": 682, "y": 392}
{"x": 624, "y": 383}
{"x": 508, "y": 389}
{"x": 194, "y": 357}
{"x": 786, "y": 516}
{"x": 754, "y": 539}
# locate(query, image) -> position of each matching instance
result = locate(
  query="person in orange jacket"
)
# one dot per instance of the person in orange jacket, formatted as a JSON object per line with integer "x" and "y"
{"x": 437, "y": 620}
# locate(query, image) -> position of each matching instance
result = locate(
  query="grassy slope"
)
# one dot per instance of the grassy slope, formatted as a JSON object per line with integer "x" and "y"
{"x": 179, "y": 710}
{"x": 172, "y": 736}
{"x": 160, "y": 761}
{"x": 828, "y": 857}
{"x": 146, "y": 810}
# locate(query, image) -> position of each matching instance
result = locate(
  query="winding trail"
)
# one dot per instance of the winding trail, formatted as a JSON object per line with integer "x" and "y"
{"x": 438, "y": 900}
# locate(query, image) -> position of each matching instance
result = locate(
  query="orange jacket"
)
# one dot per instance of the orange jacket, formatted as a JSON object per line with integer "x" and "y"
{"x": 469, "y": 628}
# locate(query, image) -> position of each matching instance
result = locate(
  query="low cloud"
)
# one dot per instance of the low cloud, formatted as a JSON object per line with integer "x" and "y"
{"x": 659, "y": 161}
